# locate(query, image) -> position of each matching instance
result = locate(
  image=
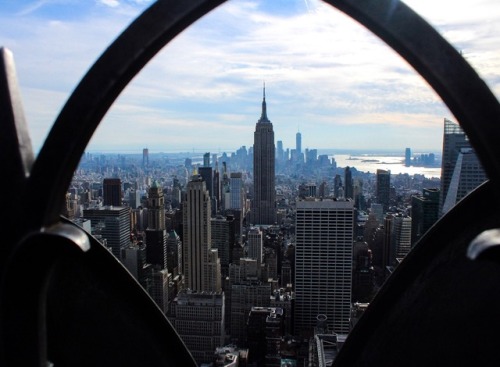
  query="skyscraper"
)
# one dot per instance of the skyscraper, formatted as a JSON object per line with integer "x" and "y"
{"x": 349, "y": 186}
{"x": 112, "y": 192}
{"x": 323, "y": 263}
{"x": 112, "y": 224}
{"x": 197, "y": 252}
{"x": 198, "y": 317}
{"x": 468, "y": 174}
{"x": 145, "y": 158}
{"x": 383, "y": 188}
{"x": 156, "y": 234}
{"x": 424, "y": 213}
{"x": 263, "y": 204}
{"x": 298, "y": 145}
{"x": 255, "y": 244}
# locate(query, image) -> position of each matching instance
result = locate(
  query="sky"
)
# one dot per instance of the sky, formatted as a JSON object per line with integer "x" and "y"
{"x": 325, "y": 75}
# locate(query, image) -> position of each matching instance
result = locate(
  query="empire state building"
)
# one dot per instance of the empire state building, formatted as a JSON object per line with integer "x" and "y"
{"x": 263, "y": 204}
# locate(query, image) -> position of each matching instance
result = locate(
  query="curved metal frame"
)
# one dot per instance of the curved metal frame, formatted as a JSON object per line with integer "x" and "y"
{"x": 467, "y": 96}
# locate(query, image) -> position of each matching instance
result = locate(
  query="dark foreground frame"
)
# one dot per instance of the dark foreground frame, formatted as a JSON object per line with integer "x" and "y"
{"x": 60, "y": 302}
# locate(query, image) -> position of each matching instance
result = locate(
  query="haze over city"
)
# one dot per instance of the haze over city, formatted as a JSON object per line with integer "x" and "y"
{"x": 325, "y": 75}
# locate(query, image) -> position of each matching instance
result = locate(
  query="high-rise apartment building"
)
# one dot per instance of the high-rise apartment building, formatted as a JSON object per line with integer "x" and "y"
{"x": 112, "y": 192}
{"x": 459, "y": 162}
{"x": 323, "y": 264}
{"x": 197, "y": 254}
{"x": 263, "y": 204}
{"x": 383, "y": 188}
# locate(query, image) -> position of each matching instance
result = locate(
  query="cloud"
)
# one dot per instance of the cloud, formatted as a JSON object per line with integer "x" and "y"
{"x": 324, "y": 72}
{"x": 110, "y": 3}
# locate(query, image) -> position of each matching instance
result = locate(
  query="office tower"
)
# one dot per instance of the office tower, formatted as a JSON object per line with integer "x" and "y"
{"x": 263, "y": 204}
{"x": 206, "y": 174}
{"x": 176, "y": 193}
{"x": 174, "y": 253}
{"x": 348, "y": 184}
{"x": 279, "y": 151}
{"x": 197, "y": 254}
{"x": 454, "y": 141}
{"x": 113, "y": 224}
{"x": 397, "y": 237}
{"x": 323, "y": 191}
{"x": 359, "y": 198}
{"x": 159, "y": 288}
{"x": 323, "y": 263}
{"x": 378, "y": 211}
{"x": 246, "y": 294}
{"x": 156, "y": 235}
{"x": 236, "y": 191}
{"x": 265, "y": 330}
{"x": 383, "y": 188}
{"x": 311, "y": 190}
{"x": 424, "y": 213}
{"x": 337, "y": 184}
{"x": 145, "y": 158}
{"x": 206, "y": 159}
{"x": 112, "y": 192}
{"x": 407, "y": 157}
{"x": 134, "y": 259}
{"x": 255, "y": 244}
{"x": 298, "y": 144}
{"x": 216, "y": 186}
{"x": 311, "y": 156}
{"x": 402, "y": 235}
{"x": 198, "y": 318}
{"x": 134, "y": 199}
{"x": 467, "y": 175}
{"x": 362, "y": 272}
{"x": 223, "y": 239}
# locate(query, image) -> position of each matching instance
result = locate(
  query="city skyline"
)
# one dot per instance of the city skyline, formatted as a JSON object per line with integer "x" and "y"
{"x": 339, "y": 91}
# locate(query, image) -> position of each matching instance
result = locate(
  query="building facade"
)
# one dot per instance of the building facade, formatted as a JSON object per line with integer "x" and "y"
{"x": 111, "y": 223}
{"x": 197, "y": 252}
{"x": 459, "y": 164}
{"x": 383, "y": 188}
{"x": 156, "y": 235}
{"x": 323, "y": 264}
{"x": 198, "y": 318}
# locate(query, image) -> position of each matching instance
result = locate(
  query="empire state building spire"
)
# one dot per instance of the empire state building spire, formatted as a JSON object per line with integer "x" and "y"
{"x": 263, "y": 117}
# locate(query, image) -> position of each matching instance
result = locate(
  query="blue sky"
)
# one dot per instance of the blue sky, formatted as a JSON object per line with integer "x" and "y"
{"x": 325, "y": 75}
